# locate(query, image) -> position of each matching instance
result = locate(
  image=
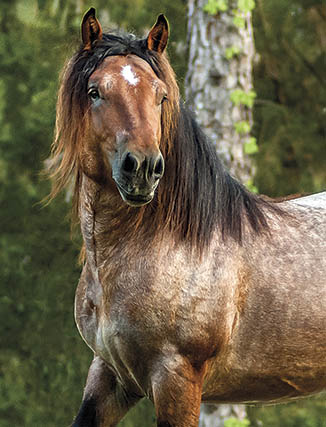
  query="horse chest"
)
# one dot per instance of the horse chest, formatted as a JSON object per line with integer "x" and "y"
{"x": 156, "y": 310}
{"x": 144, "y": 311}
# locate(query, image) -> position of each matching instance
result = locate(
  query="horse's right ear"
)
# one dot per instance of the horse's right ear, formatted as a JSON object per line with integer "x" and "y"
{"x": 91, "y": 29}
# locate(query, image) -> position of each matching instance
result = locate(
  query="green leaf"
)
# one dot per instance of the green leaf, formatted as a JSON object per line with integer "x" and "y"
{"x": 214, "y": 6}
{"x": 246, "y": 5}
{"x": 231, "y": 51}
{"x": 238, "y": 19}
{"x": 251, "y": 186}
{"x": 238, "y": 96}
{"x": 250, "y": 146}
{"x": 242, "y": 127}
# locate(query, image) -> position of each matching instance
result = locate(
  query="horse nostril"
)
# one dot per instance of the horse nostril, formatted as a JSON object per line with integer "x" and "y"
{"x": 159, "y": 167}
{"x": 129, "y": 163}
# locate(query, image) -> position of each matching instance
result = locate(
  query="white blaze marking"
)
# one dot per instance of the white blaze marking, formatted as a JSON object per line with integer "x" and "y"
{"x": 129, "y": 75}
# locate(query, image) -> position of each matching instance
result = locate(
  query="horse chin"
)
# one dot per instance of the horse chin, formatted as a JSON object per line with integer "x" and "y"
{"x": 135, "y": 200}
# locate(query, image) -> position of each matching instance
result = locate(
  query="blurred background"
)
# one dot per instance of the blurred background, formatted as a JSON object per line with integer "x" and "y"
{"x": 43, "y": 360}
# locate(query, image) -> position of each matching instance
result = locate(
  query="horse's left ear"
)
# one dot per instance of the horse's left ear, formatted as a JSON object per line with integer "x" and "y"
{"x": 158, "y": 36}
{"x": 91, "y": 29}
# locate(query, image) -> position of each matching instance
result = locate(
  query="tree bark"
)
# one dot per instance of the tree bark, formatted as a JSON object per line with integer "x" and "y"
{"x": 210, "y": 80}
{"x": 212, "y": 77}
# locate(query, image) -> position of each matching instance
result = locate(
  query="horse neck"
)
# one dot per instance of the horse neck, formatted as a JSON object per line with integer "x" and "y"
{"x": 108, "y": 225}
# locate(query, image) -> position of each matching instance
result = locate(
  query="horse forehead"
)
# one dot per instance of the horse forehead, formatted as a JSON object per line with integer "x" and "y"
{"x": 129, "y": 69}
{"x": 129, "y": 75}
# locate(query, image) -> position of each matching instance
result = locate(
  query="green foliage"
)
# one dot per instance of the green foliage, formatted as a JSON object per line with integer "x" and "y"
{"x": 215, "y": 6}
{"x": 234, "y": 422}
{"x": 246, "y": 6}
{"x": 43, "y": 355}
{"x": 251, "y": 186}
{"x": 238, "y": 19}
{"x": 304, "y": 413}
{"x": 250, "y": 146}
{"x": 232, "y": 51}
{"x": 242, "y": 127}
{"x": 243, "y": 7}
{"x": 240, "y": 97}
{"x": 290, "y": 113}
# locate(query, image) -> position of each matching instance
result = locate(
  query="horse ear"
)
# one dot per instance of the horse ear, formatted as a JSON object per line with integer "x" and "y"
{"x": 158, "y": 36}
{"x": 91, "y": 29}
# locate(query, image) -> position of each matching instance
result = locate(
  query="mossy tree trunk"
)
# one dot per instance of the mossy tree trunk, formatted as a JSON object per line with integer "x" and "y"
{"x": 219, "y": 78}
{"x": 219, "y": 90}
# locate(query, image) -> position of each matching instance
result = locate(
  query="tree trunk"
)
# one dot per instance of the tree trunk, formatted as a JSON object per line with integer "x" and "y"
{"x": 210, "y": 81}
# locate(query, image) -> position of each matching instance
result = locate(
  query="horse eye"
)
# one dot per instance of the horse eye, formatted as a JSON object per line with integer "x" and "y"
{"x": 165, "y": 98}
{"x": 93, "y": 94}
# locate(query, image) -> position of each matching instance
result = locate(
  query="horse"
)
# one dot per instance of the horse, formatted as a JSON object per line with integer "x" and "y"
{"x": 193, "y": 288}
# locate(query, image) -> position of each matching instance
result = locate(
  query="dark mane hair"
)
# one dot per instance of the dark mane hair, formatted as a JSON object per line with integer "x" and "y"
{"x": 203, "y": 194}
{"x": 196, "y": 193}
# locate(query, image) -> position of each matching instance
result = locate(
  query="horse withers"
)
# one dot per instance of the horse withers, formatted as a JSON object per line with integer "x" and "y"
{"x": 193, "y": 289}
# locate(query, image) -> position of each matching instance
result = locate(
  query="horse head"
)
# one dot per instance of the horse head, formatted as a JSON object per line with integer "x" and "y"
{"x": 125, "y": 98}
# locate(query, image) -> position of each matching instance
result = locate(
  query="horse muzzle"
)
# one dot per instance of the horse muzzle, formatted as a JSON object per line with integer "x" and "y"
{"x": 137, "y": 177}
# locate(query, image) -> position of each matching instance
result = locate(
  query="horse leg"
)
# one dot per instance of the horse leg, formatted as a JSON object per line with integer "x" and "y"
{"x": 177, "y": 388}
{"x": 105, "y": 402}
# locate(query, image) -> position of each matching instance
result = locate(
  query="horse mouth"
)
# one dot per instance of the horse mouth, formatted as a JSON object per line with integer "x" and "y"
{"x": 135, "y": 200}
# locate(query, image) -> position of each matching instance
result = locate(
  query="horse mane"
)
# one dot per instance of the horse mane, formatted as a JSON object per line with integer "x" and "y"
{"x": 202, "y": 195}
{"x": 196, "y": 193}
